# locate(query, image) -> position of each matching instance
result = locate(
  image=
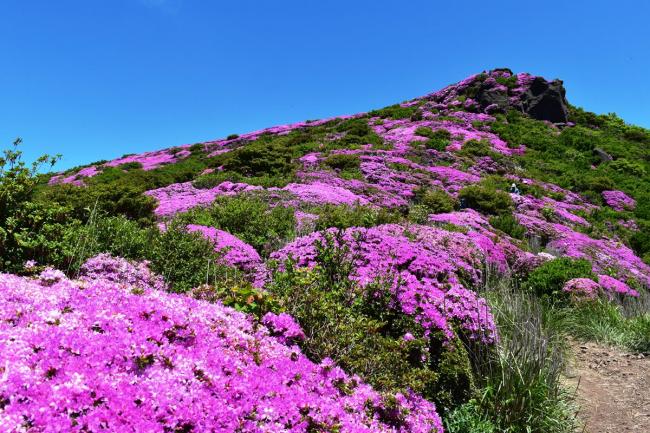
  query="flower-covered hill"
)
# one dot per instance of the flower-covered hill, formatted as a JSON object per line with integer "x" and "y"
{"x": 112, "y": 352}
{"x": 358, "y": 251}
{"x": 486, "y": 143}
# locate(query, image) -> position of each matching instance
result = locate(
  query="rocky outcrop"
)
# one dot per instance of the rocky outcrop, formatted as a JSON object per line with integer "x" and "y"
{"x": 546, "y": 100}
{"x": 534, "y": 96}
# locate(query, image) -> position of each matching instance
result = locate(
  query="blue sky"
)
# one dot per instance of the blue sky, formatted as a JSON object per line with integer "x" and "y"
{"x": 94, "y": 79}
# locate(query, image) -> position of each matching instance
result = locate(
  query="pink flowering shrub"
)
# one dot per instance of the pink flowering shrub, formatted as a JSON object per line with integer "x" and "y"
{"x": 284, "y": 327}
{"x": 582, "y": 288}
{"x": 427, "y": 267}
{"x": 614, "y": 286}
{"x": 234, "y": 252}
{"x": 91, "y": 355}
{"x": 618, "y": 200}
{"x": 121, "y": 271}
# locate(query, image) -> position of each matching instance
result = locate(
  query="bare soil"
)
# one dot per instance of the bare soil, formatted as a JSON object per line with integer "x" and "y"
{"x": 613, "y": 389}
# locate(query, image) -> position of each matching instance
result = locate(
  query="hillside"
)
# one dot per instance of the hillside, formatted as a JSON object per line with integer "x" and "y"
{"x": 393, "y": 270}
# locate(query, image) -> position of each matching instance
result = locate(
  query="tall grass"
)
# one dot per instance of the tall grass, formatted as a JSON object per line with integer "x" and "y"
{"x": 624, "y": 324}
{"x": 519, "y": 380}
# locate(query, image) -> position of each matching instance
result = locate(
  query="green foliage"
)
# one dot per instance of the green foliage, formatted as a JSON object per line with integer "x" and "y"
{"x": 130, "y": 166}
{"x": 395, "y": 112}
{"x": 348, "y": 166}
{"x": 210, "y": 180}
{"x": 608, "y": 323}
{"x": 234, "y": 292}
{"x": 113, "y": 198}
{"x": 438, "y": 139}
{"x": 250, "y": 218}
{"x": 520, "y": 381}
{"x": 362, "y": 330}
{"x": 483, "y": 198}
{"x": 625, "y": 166}
{"x": 508, "y": 224}
{"x": 24, "y": 226}
{"x": 434, "y": 200}
{"x": 549, "y": 278}
{"x": 357, "y": 133}
{"x": 477, "y": 148}
{"x": 345, "y": 216}
{"x": 340, "y": 161}
{"x": 232, "y": 137}
{"x": 186, "y": 260}
{"x": 468, "y": 418}
{"x": 640, "y": 240}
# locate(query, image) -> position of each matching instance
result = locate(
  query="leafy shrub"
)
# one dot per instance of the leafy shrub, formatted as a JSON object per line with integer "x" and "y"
{"x": 434, "y": 200}
{"x": 357, "y": 133}
{"x": 113, "y": 198}
{"x": 485, "y": 199}
{"x": 232, "y": 137}
{"x": 509, "y": 225}
{"x": 438, "y": 140}
{"x": 519, "y": 130}
{"x": 261, "y": 157}
{"x": 623, "y": 165}
{"x": 185, "y": 260}
{"x": 130, "y": 166}
{"x": 580, "y": 138}
{"x": 549, "y": 278}
{"x": 468, "y": 418}
{"x": 394, "y": 112}
{"x": 348, "y": 166}
{"x": 341, "y": 161}
{"x": 477, "y": 148}
{"x": 19, "y": 217}
{"x": 249, "y": 218}
{"x": 344, "y": 216}
{"x": 363, "y": 332}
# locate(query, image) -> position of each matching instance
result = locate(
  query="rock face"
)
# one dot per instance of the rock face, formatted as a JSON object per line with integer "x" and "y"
{"x": 535, "y": 96}
{"x": 545, "y": 100}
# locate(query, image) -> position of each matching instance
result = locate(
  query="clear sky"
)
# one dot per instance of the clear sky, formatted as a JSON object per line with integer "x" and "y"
{"x": 94, "y": 79}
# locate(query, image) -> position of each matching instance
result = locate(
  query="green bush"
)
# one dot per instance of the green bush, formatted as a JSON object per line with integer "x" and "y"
{"x": 345, "y": 216}
{"x": 130, "y": 166}
{"x": 477, "y": 148}
{"x": 509, "y": 225}
{"x": 434, "y": 200}
{"x": 340, "y": 161}
{"x": 25, "y": 227}
{"x": 468, "y": 418}
{"x": 394, "y": 112}
{"x": 549, "y": 278}
{"x": 250, "y": 218}
{"x": 485, "y": 199}
{"x": 186, "y": 260}
{"x": 361, "y": 329}
{"x": 113, "y": 198}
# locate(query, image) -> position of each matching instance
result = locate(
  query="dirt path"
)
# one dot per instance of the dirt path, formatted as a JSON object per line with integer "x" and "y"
{"x": 613, "y": 391}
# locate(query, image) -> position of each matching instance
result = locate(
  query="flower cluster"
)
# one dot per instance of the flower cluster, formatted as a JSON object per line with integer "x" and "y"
{"x": 234, "y": 252}
{"x": 425, "y": 267}
{"x": 95, "y": 356}
{"x": 283, "y": 327}
{"x": 618, "y": 200}
{"x": 582, "y": 288}
{"x": 121, "y": 271}
{"x": 586, "y": 288}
